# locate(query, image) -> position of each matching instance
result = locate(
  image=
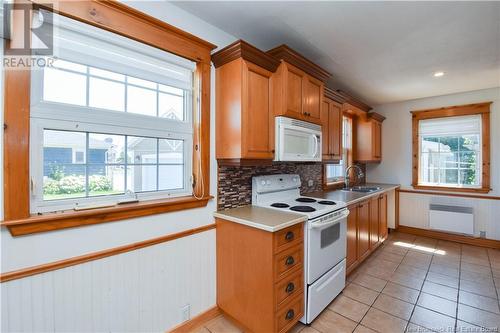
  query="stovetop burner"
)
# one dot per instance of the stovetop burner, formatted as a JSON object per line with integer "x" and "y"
{"x": 280, "y": 205}
{"x": 303, "y": 209}
{"x": 305, "y": 200}
{"x": 326, "y": 202}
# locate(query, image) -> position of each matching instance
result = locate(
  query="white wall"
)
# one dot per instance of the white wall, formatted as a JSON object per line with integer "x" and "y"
{"x": 26, "y": 251}
{"x": 396, "y": 166}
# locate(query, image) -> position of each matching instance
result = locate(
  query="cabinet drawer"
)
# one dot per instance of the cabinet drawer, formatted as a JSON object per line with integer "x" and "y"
{"x": 290, "y": 314}
{"x": 287, "y": 261}
{"x": 288, "y": 237}
{"x": 289, "y": 287}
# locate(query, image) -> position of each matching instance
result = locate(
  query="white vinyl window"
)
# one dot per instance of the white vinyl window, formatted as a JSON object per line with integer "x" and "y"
{"x": 336, "y": 172}
{"x": 111, "y": 121}
{"x": 450, "y": 152}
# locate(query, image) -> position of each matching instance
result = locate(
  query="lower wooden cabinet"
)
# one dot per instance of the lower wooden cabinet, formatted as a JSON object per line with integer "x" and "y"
{"x": 260, "y": 276}
{"x": 366, "y": 229}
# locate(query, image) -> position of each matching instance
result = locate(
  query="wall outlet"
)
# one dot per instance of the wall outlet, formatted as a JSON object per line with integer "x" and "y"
{"x": 482, "y": 234}
{"x": 310, "y": 182}
{"x": 186, "y": 312}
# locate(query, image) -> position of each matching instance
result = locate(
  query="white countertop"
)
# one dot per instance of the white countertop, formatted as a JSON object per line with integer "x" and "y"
{"x": 261, "y": 218}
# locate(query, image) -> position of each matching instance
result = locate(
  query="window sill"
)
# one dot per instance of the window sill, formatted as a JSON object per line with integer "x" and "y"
{"x": 451, "y": 189}
{"x": 55, "y": 221}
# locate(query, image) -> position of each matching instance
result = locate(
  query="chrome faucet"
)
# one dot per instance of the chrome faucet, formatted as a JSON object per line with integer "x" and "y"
{"x": 359, "y": 174}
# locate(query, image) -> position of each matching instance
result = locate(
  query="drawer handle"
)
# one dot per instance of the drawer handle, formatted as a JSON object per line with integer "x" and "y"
{"x": 290, "y": 287}
{"x": 289, "y": 236}
{"x": 290, "y": 314}
{"x": 289, "y": 261}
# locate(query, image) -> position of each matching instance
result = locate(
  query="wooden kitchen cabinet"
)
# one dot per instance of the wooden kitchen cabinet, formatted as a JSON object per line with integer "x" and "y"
{"x": 331, "y": 127}
{"x": 260, "y": 276}
{"x": 363, "y": 212}
{"x": 297, "y": 85}
{"x": 352, "y": 236}
{"x": 374, "y": 221}
{"x": 244, "y": 114}
{"x": 369, "y": 138}
{"x": 366, "y": 229}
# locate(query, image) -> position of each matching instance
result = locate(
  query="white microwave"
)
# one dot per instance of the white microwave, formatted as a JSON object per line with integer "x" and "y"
{"x": 297, "y": 140}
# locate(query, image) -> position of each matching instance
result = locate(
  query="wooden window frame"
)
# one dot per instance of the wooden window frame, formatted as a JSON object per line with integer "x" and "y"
{"x": 340, "y": 184}
{"x": 482, "y": 109}
{"x": 121, "y": 19}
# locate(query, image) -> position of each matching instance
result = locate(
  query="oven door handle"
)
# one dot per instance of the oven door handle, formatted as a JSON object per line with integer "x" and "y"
{"x": 327, "y": 223}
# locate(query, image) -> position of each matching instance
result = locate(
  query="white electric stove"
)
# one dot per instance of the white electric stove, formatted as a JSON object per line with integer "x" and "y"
{"x": 324, "y": 237}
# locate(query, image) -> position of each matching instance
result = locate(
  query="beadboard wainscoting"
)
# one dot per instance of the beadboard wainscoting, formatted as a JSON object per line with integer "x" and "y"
{"x": 235, "y": 182}
{"x": 138, "y": 291}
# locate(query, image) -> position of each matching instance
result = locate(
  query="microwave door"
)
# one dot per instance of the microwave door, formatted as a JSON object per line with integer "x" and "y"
{"x": 296, "y": 145}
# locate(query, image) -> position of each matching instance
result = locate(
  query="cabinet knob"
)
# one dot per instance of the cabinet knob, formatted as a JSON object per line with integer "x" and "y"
{"x": 290, "y": 314}
{"x": 290, "y": 288}
{"x": 289, "y": 236}
{"x": 289, "y": 261}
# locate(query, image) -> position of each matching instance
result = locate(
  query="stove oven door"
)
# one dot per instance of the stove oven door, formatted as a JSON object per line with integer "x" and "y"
{"x": 326, "y": 243}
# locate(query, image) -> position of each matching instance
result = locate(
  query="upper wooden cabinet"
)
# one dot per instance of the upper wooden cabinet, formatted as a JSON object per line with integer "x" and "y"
{"x": 368, "y": 137}
{"x": 331, "y": 126}
{"x": 298, "y": 86}
{"x": 244, "y": 114}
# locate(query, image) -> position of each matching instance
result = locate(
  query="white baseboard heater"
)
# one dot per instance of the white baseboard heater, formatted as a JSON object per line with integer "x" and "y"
{"x": 456, "y": 219}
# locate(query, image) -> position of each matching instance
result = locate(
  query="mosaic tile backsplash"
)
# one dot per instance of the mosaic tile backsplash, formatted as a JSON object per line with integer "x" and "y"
{"x": 235, "y": 182}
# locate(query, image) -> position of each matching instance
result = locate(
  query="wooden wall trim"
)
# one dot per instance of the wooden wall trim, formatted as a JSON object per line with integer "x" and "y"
{"x": 482, "y": 109}
{"x": 199, "y": 320}
{"x": 29, "y": 271}
{"x": 460, "y": 195}
{"x": 490, "y": 243}
{"x": 242, "y": 49}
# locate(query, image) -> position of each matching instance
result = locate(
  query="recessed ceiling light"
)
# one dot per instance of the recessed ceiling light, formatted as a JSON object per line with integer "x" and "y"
{"x": 438, "y": 74}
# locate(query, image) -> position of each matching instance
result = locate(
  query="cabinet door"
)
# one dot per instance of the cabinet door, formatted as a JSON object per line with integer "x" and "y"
{"x": 293, "y": 91}
{"x": 377, "y": 140}
{"x": 325, "y": 129}
{"x": 335, "y": 126}
{"x": 363, "y": 229}
{"x": 313, "y": 90}
{"x": 258, "y": 124}
{"x": 374, "y": 221}
{"x": 383, "y": 217}
{"x": 352, "y": 236}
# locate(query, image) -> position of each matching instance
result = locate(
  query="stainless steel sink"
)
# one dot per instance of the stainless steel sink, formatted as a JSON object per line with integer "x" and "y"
{"x": 364, "y": 189}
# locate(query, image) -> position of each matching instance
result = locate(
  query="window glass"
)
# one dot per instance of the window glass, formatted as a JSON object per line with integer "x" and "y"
{"x": 336, "y": 172}
{"x": 64, "y": 87}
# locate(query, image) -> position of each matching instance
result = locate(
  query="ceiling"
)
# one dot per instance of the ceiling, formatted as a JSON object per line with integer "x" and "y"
{"x": 381, "y": 52}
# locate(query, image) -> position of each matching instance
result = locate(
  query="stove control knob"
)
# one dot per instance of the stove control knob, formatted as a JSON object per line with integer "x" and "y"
{"x": 268, "y": 182}
{"x": 263, "y": 182}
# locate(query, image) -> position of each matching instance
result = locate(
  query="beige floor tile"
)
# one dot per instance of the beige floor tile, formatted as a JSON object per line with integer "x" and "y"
{"x": 394, "y": 248}
{"x": 413, "y": 328}
{"x": 363, "y": 329}
{"x": 478, "y": 317}
{"x": 442, "y": 279}
{"x": 377, "y": 272}
{"x": 370, "y": 282}
{"x": 483, "y": 270}
{"x": 407, "y": 280}
{"x": 412, "y": 271}
{"x": 297, "y": 328}
{"x": 383, "y": 322}
{"x": 478, "y": 301}
{"x": 418, "y": 263}
{"x": 447, "y": 261}
{"x": 440, "y": 290}
{"x": 349, "y": 308}
{"x": 478, "y": 288}
{"x": 389, "y": 256}
{"x": 329, "y": 321}
{"x": 393, "y": 306}
{"x": 222, "y": 325}
{"x": 401, "y": 292}
{"x": 360, "y": 293}
{"x": 432, "y": 320}
{"x": 384, "y": 264}
{"x": 438, "y": 304}
{"x": 476, "y": 277}
{"x": 496, "y": 272}
{"x": 476, "y": 261}
{"x": 464, "y": 327}
{"x": 444, "y": 269}
{"x": 309, "y": 329}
